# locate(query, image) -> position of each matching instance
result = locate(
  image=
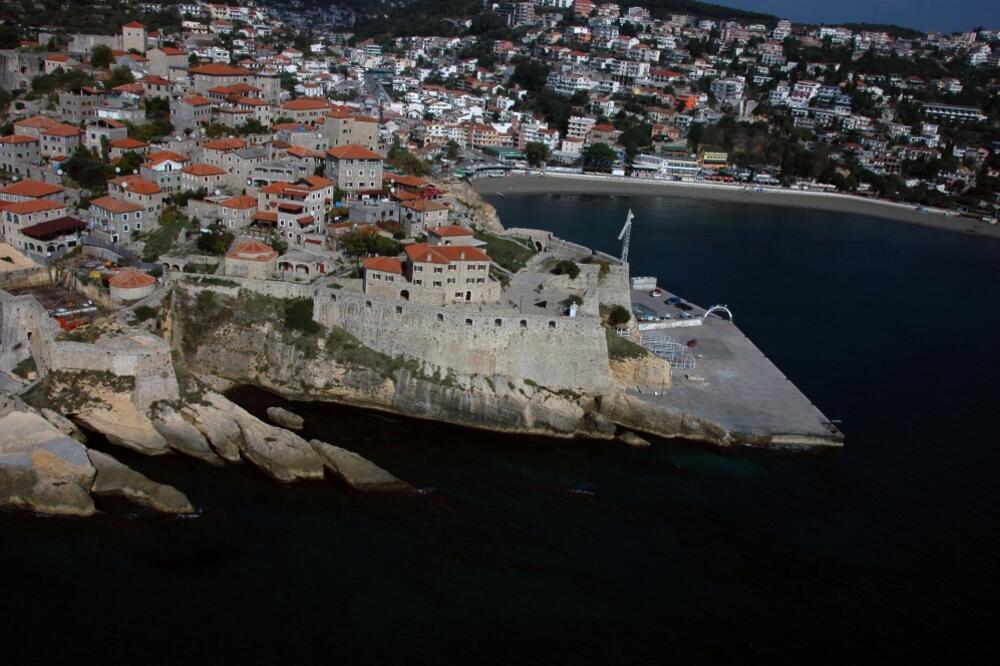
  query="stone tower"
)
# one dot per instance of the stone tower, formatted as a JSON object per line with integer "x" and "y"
{"x": 134, "y": 37}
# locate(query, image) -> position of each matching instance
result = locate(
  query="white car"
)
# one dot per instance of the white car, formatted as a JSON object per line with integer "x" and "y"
{"x": 656, "y": 293}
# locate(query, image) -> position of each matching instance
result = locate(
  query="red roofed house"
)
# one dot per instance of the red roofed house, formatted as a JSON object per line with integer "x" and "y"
{"x": 451, "y": 235}
{"x": 29, "y": 190}
{"x": 202, "y": 177}
{"x": 237, "y": 212}
{"x": 190, "y": 111}
{"x": 21, "y": 214}
{"x": 343, "y": 126}
{"x": 437, "y": 275}
{"x": 169, "y": 62}
{"x": 119, "y": 147}
{"x": 251, "y": 259}
{"x": 354, "y": 168}
{"x": 305, "y": 109}
{"x": 142, "y": 192}
{"x": 134, "y": 37}
{"x": 420, "y": 214}
{"x": 33, "y": 126}
{"x": 163, "y": 167}
{"x": 103, "y": 128}
{"x": 116, "y": 219}
{"x": 156, "y": 87}
{"x": 61, "y": 140}
{"x": 18, "y": 152}
{"x": 57, "y": 61}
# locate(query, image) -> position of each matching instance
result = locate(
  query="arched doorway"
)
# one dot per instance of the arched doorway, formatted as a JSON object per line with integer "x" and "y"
{"x": 405, "y": 295}
{"x": 468, "y": 296}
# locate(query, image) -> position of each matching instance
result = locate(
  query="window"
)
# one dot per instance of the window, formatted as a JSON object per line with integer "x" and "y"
{"x": 480, "y": 280}
{"x": 399, "y": 309}
{"x": 437, "y": 283}
{"x": 418, "y": 282}
{"x": 458, "y": 294}
{"x": 498, "y": 322}
{"x": 468, "y": 322}
{"x": 124, "y": 217}
{"x": 440, "y": 317}
{"x": 451, "y": 267}
{"x": 125, "y": 228}
{"x": 552, "y": 324}
{"x": 470, "y": 280}
{"x": 418, "y": 268}
{"x": 438, "y": 269}
{"x": 451, "y": 280}
{"x": 524, "y": 323}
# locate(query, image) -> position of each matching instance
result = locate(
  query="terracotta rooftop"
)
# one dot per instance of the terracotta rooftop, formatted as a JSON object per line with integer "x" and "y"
{"x": 449, "y": 231}
{"x": 443, "y": 254}
{"x": 203, "y": 170}
{"x": 32, "y": 206}
{"x": 383, "y": 264}
{"x": 131, "y": 278}
{"x": 242, "y": 202}
{"x": 252, "y": 251}
{"x": 137, "y": 184}
{"x": 226, "y": 144}
{"x": 35, "y": 189}
{"x": 352, "y": 151}
{"x": 115, "y": 206}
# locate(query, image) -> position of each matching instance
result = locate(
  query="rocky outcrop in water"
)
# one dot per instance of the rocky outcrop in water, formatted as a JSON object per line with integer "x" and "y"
{"x": 357, "y": 472}
{"x": 285, "y": 418}
{"x": 114, "y": 478}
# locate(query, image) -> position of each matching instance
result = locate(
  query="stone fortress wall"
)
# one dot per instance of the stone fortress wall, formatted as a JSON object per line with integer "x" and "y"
{"x": 552, "y": 351}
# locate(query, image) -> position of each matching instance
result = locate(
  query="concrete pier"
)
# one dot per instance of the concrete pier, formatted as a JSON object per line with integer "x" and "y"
{"x": 735, "y": 385}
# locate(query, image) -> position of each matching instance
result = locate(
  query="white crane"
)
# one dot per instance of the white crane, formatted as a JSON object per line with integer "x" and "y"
{"x": 626, "y": 235}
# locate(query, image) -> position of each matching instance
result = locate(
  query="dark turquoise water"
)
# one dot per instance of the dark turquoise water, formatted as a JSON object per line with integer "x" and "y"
{"x": 528, "y": 551}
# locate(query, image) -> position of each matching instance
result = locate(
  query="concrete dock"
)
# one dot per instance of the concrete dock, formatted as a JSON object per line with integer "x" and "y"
{"x": 733, "y": 383}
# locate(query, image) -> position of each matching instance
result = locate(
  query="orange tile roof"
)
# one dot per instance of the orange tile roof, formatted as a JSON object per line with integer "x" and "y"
{"x": 219, "y": 69}
{"x": 305, "y": 104}
{"x": 115, "y": 206}
{"x": 40, "y": 122}
{"x": 226, "y": 144}
{"x": 127, "y": 143}
{"x": 318, "y": 181}
{"x": 35, "y": 189}
{"x": 137, "y": 184}
{"x": 252, "y": 251}
{"x": 156, "y": 81}
{"x": 134, "y": 24}
{"x": 62, "y": 129}
{"x": 443, "y": 254}
{"x": 197, "y": 100}
{"x": 131, "y": 278}
{"x": 449, "y": 231}
{"x": 242, "y": 202}
{"x": 383, "y": 264}
{"x": 173, "y": 51}
{"x": 161, "y": 156}
{"x": 265, "y": 216}
{"x": 352, "y": 151}
{"x": 18, "y": 138}
{"x": 33, "y": 206}
{"x": 203, "y": 170}
{"x": 424, "y": 205}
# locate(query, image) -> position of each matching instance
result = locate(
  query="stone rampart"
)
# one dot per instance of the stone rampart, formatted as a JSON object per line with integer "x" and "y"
{"x": 559, "y": 352}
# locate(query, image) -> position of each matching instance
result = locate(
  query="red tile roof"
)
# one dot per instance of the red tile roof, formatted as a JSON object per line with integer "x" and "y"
{"x": 252, "y": 251}
{"x": 131, "y": 278}
{"x": 137, "y": 184}
{"x": 203, "y": 170}
{"x": 219, "y": 69}
{"x": 352, "y": 151}
{"x": 449, "y": 231}
{"x": 242, "y": 202}
{"x": 443, "y": 254}
{"x": 305, "y": 104}
{"x": 226, "y": 144}
{"x": 32, "y": 206}
{"x": 115, "y": 206}
{"x": 383, "y": 264}
{"x": 35, "y": 189}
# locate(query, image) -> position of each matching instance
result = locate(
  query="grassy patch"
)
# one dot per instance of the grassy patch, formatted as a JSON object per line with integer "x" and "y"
{"x": 509, "y": 254}
{"x": 160, "y": 240}
{"x": 620, "y": 349}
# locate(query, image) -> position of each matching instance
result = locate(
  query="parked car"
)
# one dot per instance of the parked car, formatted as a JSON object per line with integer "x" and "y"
{"x": 656, "y": 293}
{"x": 673, "y": 300}
{"x": 685, "y": 315}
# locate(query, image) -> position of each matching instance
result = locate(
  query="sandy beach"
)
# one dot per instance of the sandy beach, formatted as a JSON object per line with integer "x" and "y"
{"x": 572, "y": 184}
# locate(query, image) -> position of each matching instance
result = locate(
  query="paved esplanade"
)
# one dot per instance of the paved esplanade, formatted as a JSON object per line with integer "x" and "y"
{"x": 742, "y": 389}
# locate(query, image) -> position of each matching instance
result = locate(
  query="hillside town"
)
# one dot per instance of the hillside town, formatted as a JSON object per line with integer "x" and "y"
{"x": 232, "y": 121}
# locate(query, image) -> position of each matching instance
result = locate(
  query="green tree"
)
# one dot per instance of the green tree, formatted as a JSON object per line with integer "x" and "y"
{"x": 86, "y": 169}
{"x": 101, "y": 56}
{"x": 619, "y": 316}
{"x": 215, "y": 240}
{"x": 600, "y": 155}
{"x": 536, "y": 153}
{"x": 119, "y": 76}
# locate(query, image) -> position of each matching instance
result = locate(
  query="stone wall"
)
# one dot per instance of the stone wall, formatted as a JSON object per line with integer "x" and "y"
{"x": 27, "y": 277}
{"x": 559, "y": 352}
{"x": 553, "y": 351}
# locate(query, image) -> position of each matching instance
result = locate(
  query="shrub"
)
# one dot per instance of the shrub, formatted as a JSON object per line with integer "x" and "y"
{"x": 144, "y": 312}
{"x": 299, "y": 316}
{"x": 566, "y": 267}
{"x": 619, "y": 316}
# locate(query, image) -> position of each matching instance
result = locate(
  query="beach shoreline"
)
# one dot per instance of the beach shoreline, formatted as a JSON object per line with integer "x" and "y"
{"x": 621, "y": 186}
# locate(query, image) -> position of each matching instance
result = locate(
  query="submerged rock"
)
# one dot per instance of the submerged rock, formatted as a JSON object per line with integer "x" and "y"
{"x": 285, "y": 418}
{"x": 358, "y": 472}
{"x": 114, "y": 478}
{"x": 632, "y": 439}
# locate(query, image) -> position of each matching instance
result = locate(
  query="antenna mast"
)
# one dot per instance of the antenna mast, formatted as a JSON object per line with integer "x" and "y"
{"x": 626, "y": 235}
